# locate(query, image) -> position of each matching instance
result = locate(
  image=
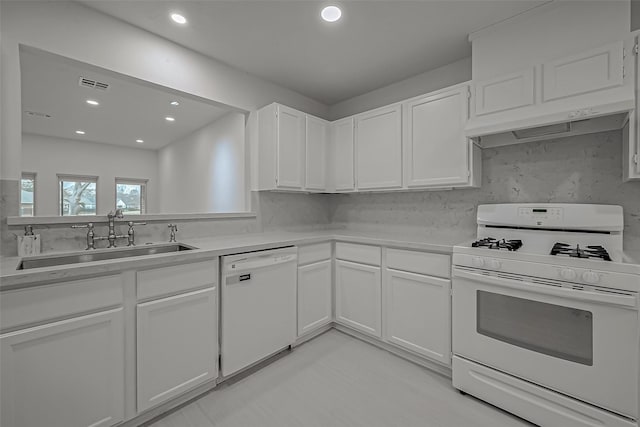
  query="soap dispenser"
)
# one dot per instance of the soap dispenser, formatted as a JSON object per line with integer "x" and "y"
{"x": 29, "y": 244}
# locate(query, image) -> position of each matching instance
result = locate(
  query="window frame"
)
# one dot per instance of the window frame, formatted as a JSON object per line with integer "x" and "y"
{"x": 25, "y": 176}
{"x": 73, "y": 177}
{"x": 133, "y": 181}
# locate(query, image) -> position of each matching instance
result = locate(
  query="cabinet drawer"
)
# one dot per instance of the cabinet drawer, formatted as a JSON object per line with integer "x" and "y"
{"x": 176, "y": 279}
{"x": 22, "y": 307}
{"x": 314, "y": 253}
{"x": 419, "y": 262}
{"x": 364, "y": 254}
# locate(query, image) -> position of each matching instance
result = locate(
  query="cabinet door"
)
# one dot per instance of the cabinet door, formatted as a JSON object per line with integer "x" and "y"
{"x": 316, "y": 153}
{"x": 314, "y": 296}
{"x": 436, "y": 148}
{"x": 63, "y": 374}
{"x": 418, "y": 314}
{"x": 358, "y": 297}
{"x": 506, "y": 92}
{"x": 177, "y": 345}
{"x": 379, "y": 148}
{"x": 343, "y": 158}
{"x": 586, "y": 72}
{"x": 290, "y": 147}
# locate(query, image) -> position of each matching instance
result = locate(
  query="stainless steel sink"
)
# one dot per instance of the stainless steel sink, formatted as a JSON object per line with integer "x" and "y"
{"x": 100, "y": 255}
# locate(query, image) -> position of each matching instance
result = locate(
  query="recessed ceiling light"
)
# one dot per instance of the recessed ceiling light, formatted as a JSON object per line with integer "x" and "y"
{"x": 331, "y": 13}
{"x": 170, "y": 119}
{"x": 92, "y": 102}
{"x": 174, "y": 103}
{"x": 80, "y": 132}
{"x": 178, "y": 18}
{"x": 140, "y": 141}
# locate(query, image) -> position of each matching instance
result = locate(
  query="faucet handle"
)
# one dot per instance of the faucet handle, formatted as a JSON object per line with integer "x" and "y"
{"x": 172, "y": 235}
{"x": 88, "y": 225}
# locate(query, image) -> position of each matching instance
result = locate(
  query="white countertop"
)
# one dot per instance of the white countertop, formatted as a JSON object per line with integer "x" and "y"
{"x": 210, "y": 247}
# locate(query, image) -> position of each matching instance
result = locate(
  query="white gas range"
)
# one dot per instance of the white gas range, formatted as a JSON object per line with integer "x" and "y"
{"x": 545, "y": 315}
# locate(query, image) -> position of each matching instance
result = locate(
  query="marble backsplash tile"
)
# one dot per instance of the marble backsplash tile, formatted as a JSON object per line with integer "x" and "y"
{"x": 582, "y": 169}
{"x": 274, "y": 211}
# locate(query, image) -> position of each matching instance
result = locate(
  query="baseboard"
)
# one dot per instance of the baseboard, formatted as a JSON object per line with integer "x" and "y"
{"x": 418, "y": 360}
{"x": 314, "y": 334}
{"x": 170, "y": 406}
{"x": 167, "y": 408}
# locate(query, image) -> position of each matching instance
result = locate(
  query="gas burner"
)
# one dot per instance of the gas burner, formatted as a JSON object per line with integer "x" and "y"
{"x": 578, "y": 252}
{"x": 491, "y": 243}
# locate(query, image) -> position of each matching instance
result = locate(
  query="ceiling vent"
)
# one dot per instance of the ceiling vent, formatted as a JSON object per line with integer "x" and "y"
{"x": 93, "y": 84}
{"x": 38, "y": 114}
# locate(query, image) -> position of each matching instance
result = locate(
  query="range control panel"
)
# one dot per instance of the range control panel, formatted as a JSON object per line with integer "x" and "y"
{"x": 541, "y": 215}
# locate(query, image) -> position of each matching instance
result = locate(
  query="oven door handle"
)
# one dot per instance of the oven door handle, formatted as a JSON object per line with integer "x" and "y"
{"x": 630, "y": 301}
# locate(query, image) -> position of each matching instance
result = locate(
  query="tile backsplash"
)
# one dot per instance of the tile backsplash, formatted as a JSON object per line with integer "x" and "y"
{"x": 581, "y": 169}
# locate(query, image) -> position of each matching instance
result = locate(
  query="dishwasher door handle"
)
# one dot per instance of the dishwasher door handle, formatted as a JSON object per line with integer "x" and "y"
{"x": 234, "y": 280}
{"x": 259, "y": 262}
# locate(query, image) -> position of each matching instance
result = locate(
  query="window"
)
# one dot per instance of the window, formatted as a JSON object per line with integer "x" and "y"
{"x": 28, "y": 194}
{"x": 131, "y": 196}
{"x": 78, "y": 195}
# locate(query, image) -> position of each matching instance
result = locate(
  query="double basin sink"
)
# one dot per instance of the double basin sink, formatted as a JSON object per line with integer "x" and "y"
{"x": 100, "y": 255}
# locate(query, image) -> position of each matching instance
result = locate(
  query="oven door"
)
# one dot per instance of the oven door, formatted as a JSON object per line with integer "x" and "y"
{"x": 583, "y": 343}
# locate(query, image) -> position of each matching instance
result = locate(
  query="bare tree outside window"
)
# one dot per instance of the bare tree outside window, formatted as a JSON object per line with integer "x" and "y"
{"x": 78, "y": 195}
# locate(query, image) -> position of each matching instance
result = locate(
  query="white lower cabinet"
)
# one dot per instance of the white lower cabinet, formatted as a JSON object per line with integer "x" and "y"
{"x": 418, "y": 314}
{"x": 177, "y": 345}
{"x": 314, "y": 296}
{"x": 358, "y": 297}
{"x": 68, "y": 373}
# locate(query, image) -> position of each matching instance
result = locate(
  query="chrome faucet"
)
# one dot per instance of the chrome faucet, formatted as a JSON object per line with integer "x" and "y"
{"x": 131, "y": 234}
{"x": 111, "y": 236}
{"x": 172, "y": 234}
{"x": 90, "y": 235}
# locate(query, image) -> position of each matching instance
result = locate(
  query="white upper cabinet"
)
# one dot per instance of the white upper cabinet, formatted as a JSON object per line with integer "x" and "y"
{"x": 379, "y": 148}
{"x": 436, "y": 151}
{"x": 585, "y": 72}
{"x": 631, "y": 131}
{"x": 317, "y": 137}
{"x": 281, "y": 148}
{"x": 342, "y": 159}
{"x": 290, "y": 147}
{"x": 506, "y": 92}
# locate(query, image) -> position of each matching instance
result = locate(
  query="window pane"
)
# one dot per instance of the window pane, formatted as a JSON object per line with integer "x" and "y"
{"x": 554, "y": 330}
{"x": 77, "y": 197}
{"x": 27, "y": 193}
{"x": 130, "y": 197}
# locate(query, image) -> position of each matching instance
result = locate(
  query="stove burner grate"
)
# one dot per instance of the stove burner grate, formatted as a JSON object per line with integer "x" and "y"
{"x": 578, "y": 252}
{"x": 491, "y": 243}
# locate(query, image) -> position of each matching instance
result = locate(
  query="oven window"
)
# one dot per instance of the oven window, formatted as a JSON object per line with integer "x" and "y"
{"x": 554, "y": 330}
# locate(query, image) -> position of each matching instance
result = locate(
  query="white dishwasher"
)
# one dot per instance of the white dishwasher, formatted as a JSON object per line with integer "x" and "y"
{"x": 258, "y": 306}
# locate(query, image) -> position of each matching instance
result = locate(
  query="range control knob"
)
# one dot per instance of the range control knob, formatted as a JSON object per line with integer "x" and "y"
{"x": 568, "y": 274}
{"x": 478, "y": 262}
{"x": 494, "y": 264}
{"x": 590, "y": 277}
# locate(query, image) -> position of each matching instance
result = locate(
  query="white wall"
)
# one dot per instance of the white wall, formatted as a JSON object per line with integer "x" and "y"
{"x": 438, "y": 78}
{"x": 78, "y": 32}
{"x": 205, "y": 172}
{"x": 553, "y": 30}
{"x": 49, "y": 157}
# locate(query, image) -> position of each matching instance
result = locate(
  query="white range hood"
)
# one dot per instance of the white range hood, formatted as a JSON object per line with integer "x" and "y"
{"x": 589, "y": 92}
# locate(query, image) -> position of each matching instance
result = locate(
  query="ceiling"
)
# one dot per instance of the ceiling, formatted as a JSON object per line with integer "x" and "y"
{"x": 128, "y": 109}
{"x": 376, "y": 43}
